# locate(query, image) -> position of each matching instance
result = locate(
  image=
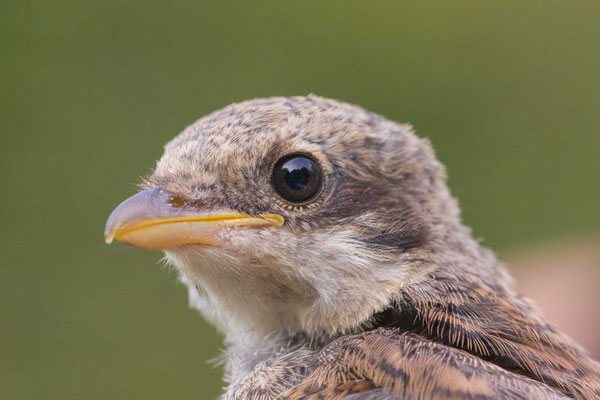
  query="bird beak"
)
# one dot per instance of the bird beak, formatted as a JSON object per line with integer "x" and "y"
{"x": 154, "y": 219}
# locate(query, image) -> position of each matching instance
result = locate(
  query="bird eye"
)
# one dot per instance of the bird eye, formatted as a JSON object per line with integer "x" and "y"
{"x": 297, "y": 178}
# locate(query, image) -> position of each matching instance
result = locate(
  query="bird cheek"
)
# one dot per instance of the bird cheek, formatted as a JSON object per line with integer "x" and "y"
{"x": 249, "y": 239}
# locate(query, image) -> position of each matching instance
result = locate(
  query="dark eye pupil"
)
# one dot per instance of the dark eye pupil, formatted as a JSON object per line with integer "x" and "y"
{"x": 297, "y": 178}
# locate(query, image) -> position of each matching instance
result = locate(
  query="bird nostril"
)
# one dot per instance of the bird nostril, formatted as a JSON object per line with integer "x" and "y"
{"x": 176, "y": 202}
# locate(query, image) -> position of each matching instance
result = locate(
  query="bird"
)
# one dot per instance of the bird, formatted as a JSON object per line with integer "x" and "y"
{"x": 323, "y": 241}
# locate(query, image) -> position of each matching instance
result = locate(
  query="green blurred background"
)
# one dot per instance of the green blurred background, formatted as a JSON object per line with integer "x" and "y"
{"x": 508, "y": 91}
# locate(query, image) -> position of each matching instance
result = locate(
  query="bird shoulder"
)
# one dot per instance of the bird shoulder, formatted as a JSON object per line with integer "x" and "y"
{"x": 387, "y": 363}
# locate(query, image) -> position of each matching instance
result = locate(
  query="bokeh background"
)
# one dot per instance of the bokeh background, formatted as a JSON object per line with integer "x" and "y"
{"x": 508, "y": 91}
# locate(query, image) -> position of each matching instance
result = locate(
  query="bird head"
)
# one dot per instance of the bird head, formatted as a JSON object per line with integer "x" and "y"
{"x": 287, "y": 215}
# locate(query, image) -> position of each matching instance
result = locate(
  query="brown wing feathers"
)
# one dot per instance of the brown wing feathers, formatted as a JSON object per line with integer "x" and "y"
{"x": 407, "y": 366}
{"x": 467, "y": 343}
{"x": 503, "y": 329}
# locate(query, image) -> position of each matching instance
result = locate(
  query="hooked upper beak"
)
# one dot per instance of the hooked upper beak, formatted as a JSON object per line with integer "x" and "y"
{"x": 154, "y": 219}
